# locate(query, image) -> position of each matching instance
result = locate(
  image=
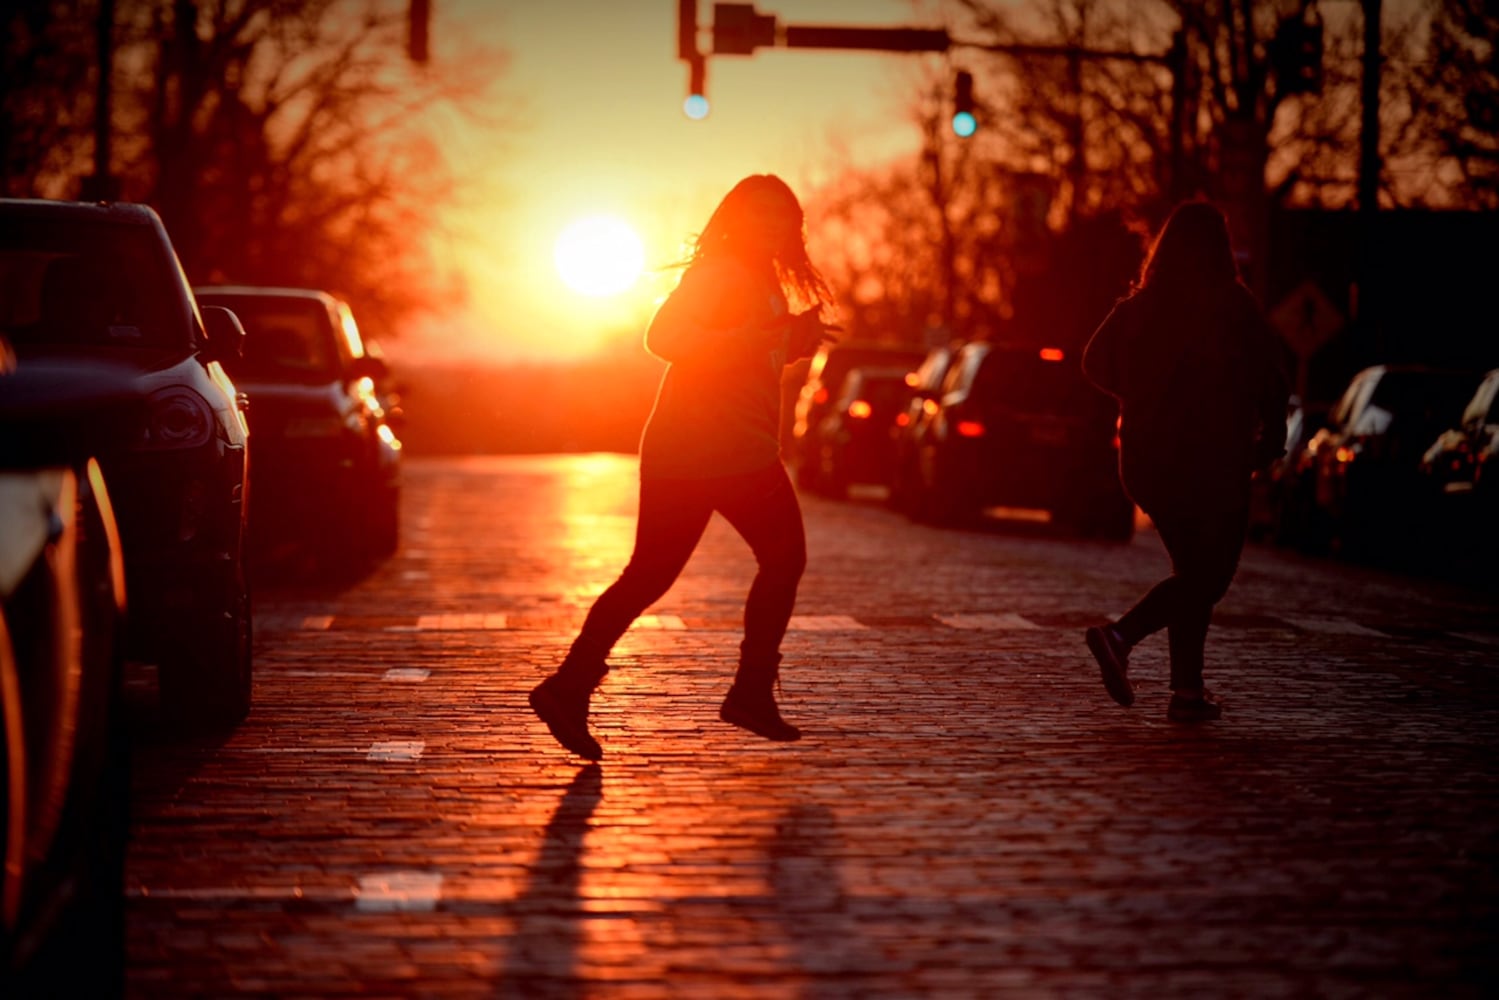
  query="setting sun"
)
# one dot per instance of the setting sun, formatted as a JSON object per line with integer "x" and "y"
{"x": 599, "y": 255}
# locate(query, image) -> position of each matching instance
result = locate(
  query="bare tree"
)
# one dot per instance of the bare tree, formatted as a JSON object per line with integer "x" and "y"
{"x": 46, "y": 101}
{"x": 282, "y": 141}
{"x": 1455, "y": 97}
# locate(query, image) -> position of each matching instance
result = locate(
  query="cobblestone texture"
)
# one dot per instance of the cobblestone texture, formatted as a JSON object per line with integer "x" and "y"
{"x": 968, "y": 815}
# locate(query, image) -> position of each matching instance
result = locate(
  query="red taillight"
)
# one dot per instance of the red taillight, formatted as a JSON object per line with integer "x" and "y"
{"x": 969, "y": 428}
{"x": 820, "y": 396}
{"x": 1052, "y": 354}
{"x": 860, "y": 409}
{"x": 902, "y": 420}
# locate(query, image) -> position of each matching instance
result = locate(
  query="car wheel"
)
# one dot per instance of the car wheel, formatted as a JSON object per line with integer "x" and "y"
{"x": 206, "y": 679}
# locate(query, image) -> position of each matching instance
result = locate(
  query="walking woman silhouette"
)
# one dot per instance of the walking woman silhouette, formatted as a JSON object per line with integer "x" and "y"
{"x": 1202, "y": 397}
{"x": 712, "y": 443}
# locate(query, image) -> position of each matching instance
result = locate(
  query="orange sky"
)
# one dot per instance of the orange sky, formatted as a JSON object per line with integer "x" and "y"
{"x": 599, "y": 129}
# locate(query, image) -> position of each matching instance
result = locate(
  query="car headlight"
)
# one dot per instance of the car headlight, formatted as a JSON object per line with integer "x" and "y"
{"x": 179, "y": 418}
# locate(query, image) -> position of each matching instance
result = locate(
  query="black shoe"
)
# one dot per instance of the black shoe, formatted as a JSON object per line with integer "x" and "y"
{"x": 1193, "y": 708}
{"x": 757, "y": 713}
{"x": 1113, "y": 661}
{"x": 564, "y": 709}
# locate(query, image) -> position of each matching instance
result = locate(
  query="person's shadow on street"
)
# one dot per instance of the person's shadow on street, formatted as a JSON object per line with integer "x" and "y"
{"x": 541, "y": 955}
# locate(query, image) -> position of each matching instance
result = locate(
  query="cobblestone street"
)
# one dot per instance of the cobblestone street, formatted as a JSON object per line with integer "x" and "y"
{"x": 968, "y": 814}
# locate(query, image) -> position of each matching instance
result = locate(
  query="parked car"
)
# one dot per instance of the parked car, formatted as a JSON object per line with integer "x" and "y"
{"x": 856, "y": 445}
{"x": 1283, "y": 494}
{"x": 1461, "y": 476}
{"x": 327, "y": 460}
{"x": 64, "y": 750}
{"x": 1365, "y": 463}
{"x": 1019, "y": 426}
{"x": 102, "y": 281}
{"x": 829, "y": 367}
{"x": 913, "y": 425}
{"x": 1457, "y": 460}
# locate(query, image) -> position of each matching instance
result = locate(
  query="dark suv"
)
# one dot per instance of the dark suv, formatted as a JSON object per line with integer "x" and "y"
{"x": 1015, "y": 425}
{"x": 829, "y": 367}
{"x": 102, "y": 282}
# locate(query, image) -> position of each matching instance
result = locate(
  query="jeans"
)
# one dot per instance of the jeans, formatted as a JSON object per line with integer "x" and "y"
{"x": 1204, "y": 544}
{"x": 761, "y": 506}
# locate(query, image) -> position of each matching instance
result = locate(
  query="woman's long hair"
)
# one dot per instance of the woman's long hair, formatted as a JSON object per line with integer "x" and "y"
{"x": 724, "y": 233}
{"x": 1191, "y": 253}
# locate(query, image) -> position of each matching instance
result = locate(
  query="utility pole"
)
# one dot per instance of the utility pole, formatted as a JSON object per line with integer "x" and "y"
{"x": 1368, "y": 318}
{"x": 102, "y": 185}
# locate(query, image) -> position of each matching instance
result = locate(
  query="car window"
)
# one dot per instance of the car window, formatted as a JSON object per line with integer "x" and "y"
{"x": 1022, "y": 380}
{"x": 883, "y": 391}
{"x": 1484, "y": 407}
{"x": 1344, "y": 406}
{"x": 352, "y": 345}
{"x": 286, "y": 339}
{"x": 933, "y": 369}
{"x": 87, "y": 282}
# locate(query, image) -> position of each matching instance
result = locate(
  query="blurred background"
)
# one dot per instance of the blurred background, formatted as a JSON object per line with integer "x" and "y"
{"x": 500, "y": 189}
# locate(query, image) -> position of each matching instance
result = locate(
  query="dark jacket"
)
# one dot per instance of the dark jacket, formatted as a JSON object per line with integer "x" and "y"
{"x": 723, "y": 333}
{"x": 1201, "y": 391}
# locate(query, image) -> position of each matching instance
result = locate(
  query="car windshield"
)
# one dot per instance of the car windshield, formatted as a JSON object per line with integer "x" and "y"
{"x": 87, "y": 282}
{"x": 286, "y": 339}
{"x": 884, "y": 393}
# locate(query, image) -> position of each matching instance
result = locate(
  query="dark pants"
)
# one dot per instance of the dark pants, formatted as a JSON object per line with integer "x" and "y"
{"x": 761, "y": 506}
{"x": 1204, "y": 543}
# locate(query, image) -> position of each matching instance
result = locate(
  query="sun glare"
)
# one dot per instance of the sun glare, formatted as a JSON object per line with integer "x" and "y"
{"x": 599, "y": 255}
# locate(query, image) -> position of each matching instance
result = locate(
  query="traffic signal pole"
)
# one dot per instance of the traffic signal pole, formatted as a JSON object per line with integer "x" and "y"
{"x": 738, "y": 29}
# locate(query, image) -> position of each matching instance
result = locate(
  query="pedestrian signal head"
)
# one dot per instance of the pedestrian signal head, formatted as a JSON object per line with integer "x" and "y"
{"x": 964, "y": 121}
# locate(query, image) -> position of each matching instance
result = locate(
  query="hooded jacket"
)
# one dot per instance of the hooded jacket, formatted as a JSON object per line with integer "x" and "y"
{"x": 1201, "y": 391}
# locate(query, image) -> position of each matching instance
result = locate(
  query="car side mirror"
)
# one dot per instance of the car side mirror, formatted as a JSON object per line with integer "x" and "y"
{"x": 226, "y": 335}
{"x": 369, "y": 366}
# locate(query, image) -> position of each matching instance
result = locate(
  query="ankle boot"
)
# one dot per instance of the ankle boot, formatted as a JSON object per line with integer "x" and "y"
{"x": 561, "y": 701}
{"x": 751, "y": 702}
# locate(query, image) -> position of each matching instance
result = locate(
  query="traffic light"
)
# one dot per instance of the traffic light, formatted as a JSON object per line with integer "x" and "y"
{"x": 1296, "y": 54}
{"x": 696, "y": 105}
{"x": 964, "y": 121}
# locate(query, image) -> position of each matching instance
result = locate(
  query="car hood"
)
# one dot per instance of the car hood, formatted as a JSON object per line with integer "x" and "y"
{"x": 146, "y": 361}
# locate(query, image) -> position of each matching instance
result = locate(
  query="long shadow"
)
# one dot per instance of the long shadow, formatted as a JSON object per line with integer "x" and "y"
{"x": 811, "y": 902}
{"x": 541, "y": 956}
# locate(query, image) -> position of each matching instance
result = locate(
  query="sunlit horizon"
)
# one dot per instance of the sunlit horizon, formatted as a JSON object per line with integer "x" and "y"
{"x": 601, "y": 132}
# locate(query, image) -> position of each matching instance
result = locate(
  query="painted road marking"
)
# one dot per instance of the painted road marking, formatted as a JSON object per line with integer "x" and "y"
{"x": 409, "y": 675}
{"x": 1002, "y": 621}
{"x": 395, "y": 750}
{"x": 398, "y": 891}
{"x": 1328, "y": 626}
{"x": 472, "y": 622}
{"x": 672, "y": 623}
{"x": 826, "y": 623}
{"x": 317, "y": 623}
